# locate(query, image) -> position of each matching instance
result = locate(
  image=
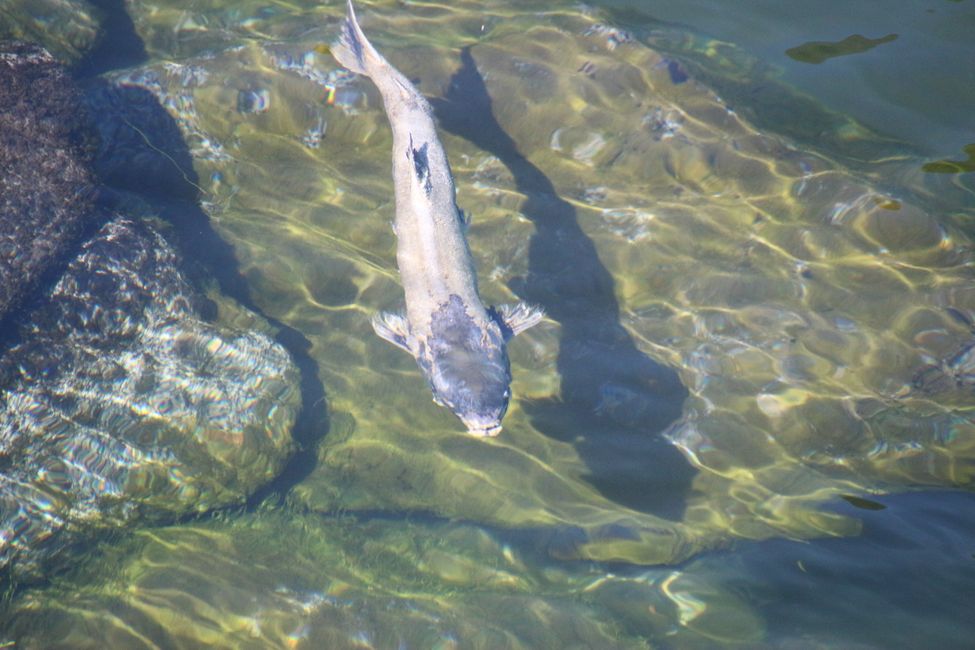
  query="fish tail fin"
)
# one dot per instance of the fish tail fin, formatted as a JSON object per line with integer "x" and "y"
{"x": 353, "y": 50}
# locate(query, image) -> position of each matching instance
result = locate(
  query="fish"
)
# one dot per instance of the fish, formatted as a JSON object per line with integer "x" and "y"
{"x": 459, "y": 344}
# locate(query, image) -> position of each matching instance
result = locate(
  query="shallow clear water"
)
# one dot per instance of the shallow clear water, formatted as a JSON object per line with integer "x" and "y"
{"x": 747, "y": 420}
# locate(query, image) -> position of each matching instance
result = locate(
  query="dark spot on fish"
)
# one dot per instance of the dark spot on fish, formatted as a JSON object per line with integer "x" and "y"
{"x": 863, "y": 504}
{"x": 421, "y": 165}
{"x": 818, "y": 51}
{"x": 451, "y": 325}
{"x": 467, "y": 372}
{"x": 677, "y": 73}
{"x": 354, "y": 43}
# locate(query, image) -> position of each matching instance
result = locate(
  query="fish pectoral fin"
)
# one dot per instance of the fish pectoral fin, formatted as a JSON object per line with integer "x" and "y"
{"x": 394, "y": 328}
{"x": 515, "y": 319}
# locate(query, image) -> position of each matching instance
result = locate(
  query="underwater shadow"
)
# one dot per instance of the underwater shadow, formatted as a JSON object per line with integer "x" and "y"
{"x": 143, "y": 152}
{"x": 119, "y": 46}
{"x": 614, "y": 401}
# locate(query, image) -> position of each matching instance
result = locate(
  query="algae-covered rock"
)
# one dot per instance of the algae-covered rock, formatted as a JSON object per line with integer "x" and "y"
{"x": 46, "y": 181}
{"x": 69, "y": 29}
{"x": 121, "y": 404}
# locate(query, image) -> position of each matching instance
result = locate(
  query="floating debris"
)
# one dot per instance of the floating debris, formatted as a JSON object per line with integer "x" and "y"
{"x": 818, "y": 51}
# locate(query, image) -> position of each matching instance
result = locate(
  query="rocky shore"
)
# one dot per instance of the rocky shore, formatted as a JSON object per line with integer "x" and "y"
{"x": 124, "y": 397}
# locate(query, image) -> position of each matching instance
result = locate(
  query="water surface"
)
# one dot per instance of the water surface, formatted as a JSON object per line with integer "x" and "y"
{"x": 747, "y": 420}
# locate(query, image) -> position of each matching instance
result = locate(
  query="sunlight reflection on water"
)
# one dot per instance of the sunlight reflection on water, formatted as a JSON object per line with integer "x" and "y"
{"x": 810, "y": 310}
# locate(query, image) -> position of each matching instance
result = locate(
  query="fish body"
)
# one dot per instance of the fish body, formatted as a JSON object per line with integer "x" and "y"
{"x": 459, "y": 344}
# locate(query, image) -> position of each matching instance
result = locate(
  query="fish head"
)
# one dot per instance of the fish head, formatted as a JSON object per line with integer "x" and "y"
{"x": 468, "y": 371}
{"x": 474, "y": 383}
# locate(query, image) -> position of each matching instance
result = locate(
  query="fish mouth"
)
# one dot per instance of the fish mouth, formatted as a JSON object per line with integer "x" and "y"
{"x": 482, "y": 431}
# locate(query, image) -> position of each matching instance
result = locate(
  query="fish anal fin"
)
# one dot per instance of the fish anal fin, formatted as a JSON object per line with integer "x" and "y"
{"x": 515, "y": 319}
{"x": 394, "y": 328}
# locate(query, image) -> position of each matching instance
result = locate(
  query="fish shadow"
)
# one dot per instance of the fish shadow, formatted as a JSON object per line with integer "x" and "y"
{"x": 615, "y": 402}
{"x": 142, "y": 152}
{"x": 119, "y": 46}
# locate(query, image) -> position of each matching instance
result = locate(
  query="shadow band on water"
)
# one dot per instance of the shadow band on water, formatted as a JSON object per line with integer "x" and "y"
{"x": 615, "y": 401}
{"x": 156, "y": 164}
{"x": 166, "y": 179}
{"x": 120, "y": 45}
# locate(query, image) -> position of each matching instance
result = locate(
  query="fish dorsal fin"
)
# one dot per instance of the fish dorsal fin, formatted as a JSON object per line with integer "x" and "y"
{"x": 421, "y": 165}
{"x": 515, "y": 319}
{"x": 394, "y": 328}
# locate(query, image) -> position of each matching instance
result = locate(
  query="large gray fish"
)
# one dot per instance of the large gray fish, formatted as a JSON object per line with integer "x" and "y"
{"x": 457, "y": 342}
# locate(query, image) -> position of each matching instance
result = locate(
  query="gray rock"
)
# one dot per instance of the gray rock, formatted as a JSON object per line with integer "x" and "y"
{"x": 122, "y": 405}
{"x": 46, "y": 186}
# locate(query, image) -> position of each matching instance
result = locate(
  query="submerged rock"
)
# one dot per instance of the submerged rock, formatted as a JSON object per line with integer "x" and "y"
{"x": 46, "y": 186}
{"x": 121, "y": 404}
